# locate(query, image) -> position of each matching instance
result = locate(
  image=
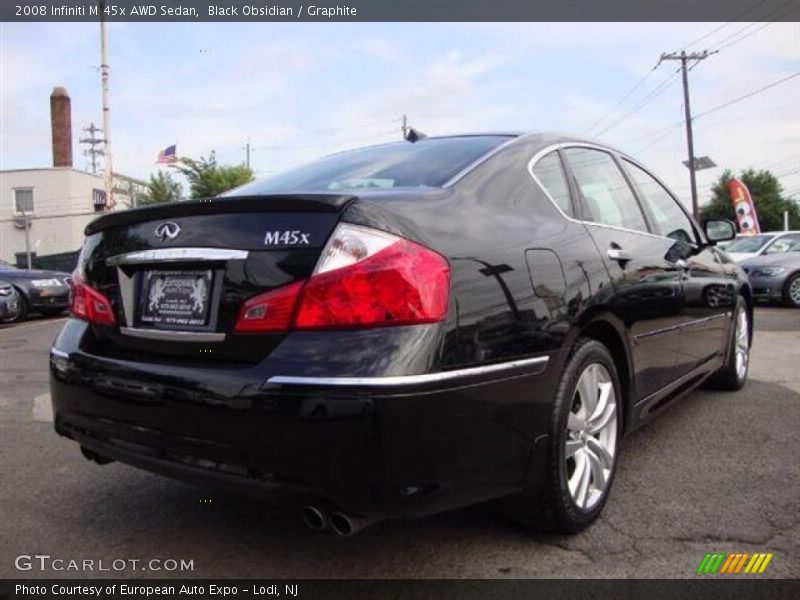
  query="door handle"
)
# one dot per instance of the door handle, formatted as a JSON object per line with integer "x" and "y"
{"x": 619, "y": 254}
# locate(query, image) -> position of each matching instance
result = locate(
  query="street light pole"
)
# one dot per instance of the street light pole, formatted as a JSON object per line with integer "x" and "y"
{"x": 685, "y": 58}
{"x": 104, "y": 70}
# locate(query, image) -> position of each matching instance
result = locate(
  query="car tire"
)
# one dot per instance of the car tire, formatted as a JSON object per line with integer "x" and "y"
{"x": 583, "y": 444}
{"x": 791, "y": 291}
{"x": 23, "y": 308}
{"x": 733, "y": 375}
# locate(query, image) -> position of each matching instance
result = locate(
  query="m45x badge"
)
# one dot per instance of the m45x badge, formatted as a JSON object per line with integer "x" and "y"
{"x": 287, "y": 238}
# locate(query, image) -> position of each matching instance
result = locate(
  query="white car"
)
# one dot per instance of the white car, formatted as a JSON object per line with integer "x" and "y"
{"x": 774, "y": 242}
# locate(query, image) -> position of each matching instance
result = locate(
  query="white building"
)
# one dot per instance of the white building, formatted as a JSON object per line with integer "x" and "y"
{"x": 54, "y": 204}
{"x": 57, "y": 203}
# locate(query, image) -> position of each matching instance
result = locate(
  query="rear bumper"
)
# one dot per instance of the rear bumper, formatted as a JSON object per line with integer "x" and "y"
{"x": 373, "y": 445}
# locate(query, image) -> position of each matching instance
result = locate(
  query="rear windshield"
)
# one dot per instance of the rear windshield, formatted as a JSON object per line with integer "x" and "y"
{"x": 428, "y": 162}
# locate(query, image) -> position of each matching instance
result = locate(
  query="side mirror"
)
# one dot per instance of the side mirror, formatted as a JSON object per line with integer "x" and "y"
{"x": 719, "y": 230}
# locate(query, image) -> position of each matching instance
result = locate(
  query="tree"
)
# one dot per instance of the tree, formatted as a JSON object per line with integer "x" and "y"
{"x": 162, "y": 188}
{"x": 767, "y": 194}
{"x": 206, "y": 178}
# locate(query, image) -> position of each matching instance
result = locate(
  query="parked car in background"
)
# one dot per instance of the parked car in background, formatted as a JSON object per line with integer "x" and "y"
{"x": 772, "y": 242}
{"x": 403, "y": 329}
{"x": 775, "y": 276}
{"x": 45, "y": 292}
{"x": 9, "y": 302}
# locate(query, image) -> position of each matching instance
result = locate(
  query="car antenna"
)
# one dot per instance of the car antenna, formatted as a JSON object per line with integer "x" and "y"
{"x": 413, "y": 135}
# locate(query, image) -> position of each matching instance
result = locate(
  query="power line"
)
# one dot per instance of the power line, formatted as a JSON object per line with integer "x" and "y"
{"x": 663, "y": 133}
{"x": 721, "y": 44}
{"x": 746, "y": 96}
{"x": 625, "y": 96}
{"x": 652, "y": 95}
{"x": 724, "y": 25}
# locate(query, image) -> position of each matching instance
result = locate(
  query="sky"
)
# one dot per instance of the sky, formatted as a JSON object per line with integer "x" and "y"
{"x": 298, "y": 91}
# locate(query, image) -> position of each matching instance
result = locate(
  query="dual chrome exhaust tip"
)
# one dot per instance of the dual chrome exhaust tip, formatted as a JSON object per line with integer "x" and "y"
{"x": 318, "y": 518}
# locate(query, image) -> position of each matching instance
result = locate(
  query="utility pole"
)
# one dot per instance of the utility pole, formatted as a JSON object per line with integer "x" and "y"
{"x": 684, "y": 58}
{"x": 247, "y": 153}
{"x": 405, "y": 126}
{"x": 92, "y": 141}
{"x": 109, "y": 172}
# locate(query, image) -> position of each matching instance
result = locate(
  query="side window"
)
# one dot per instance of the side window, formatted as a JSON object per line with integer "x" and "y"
{"x": 669, "y": 219}
{"x": 785, "y": 243}
{"x": 607, "y": 197}
{"x": 550, "y": 173}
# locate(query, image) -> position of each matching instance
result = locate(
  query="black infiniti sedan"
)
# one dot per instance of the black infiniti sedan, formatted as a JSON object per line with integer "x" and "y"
{"x": 45, "y": 292}
{"x": 402, "y": 329}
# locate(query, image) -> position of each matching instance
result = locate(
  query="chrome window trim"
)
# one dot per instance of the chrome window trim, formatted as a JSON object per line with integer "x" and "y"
{"x": 554, "y": 147}
{"x": 410, "y": 380}
{"x": 174, "y": 336}
{"x": 176, "y": 254}
{"x": 479, "y": 161}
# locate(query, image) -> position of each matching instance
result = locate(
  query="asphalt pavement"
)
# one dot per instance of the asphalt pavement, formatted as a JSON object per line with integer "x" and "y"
{"x": 717, "y": 472}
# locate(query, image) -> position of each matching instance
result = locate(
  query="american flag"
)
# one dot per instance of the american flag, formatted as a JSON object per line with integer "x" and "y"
{"x": 167, "y": 156}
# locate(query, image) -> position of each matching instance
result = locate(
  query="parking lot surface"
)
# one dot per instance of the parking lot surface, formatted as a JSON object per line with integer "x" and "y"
{"x": 717, "y": 472}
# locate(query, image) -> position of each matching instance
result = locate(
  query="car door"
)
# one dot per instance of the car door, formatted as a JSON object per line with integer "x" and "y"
{"x": 709, "y": 287}
{"x": 647, "y": 290}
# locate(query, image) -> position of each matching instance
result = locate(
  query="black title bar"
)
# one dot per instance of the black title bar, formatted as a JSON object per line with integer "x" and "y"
{"x": 398, "y": 10}
{"x": 719, "y": 588}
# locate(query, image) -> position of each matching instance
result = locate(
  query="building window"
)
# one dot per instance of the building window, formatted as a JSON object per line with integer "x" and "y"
{"x": 23, "y": 200}
{"x": 99, "y": 200}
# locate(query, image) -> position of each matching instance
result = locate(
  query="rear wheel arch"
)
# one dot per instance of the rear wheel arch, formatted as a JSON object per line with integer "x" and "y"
{"x": 607, "y": 334}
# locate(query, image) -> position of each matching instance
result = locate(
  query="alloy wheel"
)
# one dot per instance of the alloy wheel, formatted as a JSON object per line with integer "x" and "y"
{"x": 794, "y": 291}
{"x": 742, "y": 344}
{"x": 591, "y": 438}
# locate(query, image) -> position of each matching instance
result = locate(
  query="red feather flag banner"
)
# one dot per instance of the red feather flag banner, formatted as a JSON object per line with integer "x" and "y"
{"x": 744, "y": 207}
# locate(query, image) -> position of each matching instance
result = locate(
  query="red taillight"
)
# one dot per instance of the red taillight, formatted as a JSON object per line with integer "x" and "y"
{"x": 402, "y": 284}
{"x": 269, "y": 313}
{"x": 88, "y": 304}
{"x": 365, "y": 278}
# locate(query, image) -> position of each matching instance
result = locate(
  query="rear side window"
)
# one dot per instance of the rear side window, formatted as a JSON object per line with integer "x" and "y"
{"x": 607, "y": 197}
{"x": 427, "y": 163}
{"x": 550, "y": 173}
{"x": 669, "y": 219}
{"x": 785, "y": 243}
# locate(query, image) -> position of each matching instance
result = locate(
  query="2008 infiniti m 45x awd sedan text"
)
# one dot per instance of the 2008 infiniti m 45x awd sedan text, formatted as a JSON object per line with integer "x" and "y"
{"x": 402, "y": 329}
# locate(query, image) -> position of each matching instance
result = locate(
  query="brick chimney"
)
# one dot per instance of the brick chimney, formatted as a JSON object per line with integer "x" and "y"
{"x": 61, "y": 125}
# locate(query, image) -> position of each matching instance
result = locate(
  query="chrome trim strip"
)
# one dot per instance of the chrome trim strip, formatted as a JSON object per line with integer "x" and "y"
{"x": 553, "y": 147}
{"x": 479, "y": 161}
{"x": 706, "y": 319}
{"x": 58, "y": 353}
{"x": 176, "y": 254}
{"x": 682, "y": 325}
{"x": 411, "y": 380}
{"x": 175, "y": 336}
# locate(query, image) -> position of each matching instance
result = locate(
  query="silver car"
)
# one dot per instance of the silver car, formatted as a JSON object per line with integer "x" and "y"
{"x": 775, "y": 276}
{"x": 772, "y": 242}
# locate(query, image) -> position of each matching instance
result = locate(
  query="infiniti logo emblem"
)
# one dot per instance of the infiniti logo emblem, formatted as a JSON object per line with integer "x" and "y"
{"x": 168, "y": 231}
